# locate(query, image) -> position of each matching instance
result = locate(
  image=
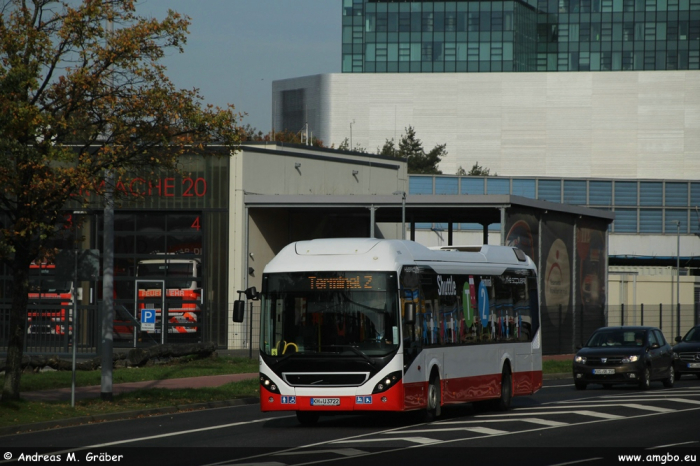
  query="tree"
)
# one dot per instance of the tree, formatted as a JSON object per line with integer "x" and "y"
{"x": 249, "y": 133}
{"x": 411, "y": 149}
{"x": 476, "y": 170}
{"x": 82, "y": 93}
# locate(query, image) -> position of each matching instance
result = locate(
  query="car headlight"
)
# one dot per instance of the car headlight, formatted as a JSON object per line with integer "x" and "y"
{"x": 580, "y": 359}
{"x": 629, "y": 359}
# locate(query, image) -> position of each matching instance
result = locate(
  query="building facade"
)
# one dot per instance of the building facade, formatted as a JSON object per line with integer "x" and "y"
{"x": 520, "y": 35}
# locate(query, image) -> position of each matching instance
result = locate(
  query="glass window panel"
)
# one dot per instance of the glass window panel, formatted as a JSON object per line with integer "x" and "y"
{"x": 651, "y": 193}
{"x": 549, "y": 190}
{"x": 695, "y": 194}
{"x": 673, "y": 216}
{"x": 626, "y": 193}
{"x": 676, "y": 194}
{"x": 625, "y": 221}
{"x": 446, "y": 185}
{"x": 650, "y": 221}
{"x": 575, "y": 192}
{"x": 472, "y": 185}
{"x": 525, "y": 188}
{"x": 497, "y": 186}
{"x": 420, "y": 185}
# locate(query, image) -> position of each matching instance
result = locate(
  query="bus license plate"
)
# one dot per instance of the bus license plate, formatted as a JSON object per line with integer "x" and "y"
{"x": 325, "y": 401}
{"x": 694, "y": 365}
{"x": 603, "y": 371}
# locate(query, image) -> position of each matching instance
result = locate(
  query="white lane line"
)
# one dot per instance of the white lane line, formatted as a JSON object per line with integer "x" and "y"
{"x": 418, "y": 440}
{"x": 577, "y": 461}
{"x": 544, "y": 422}
{"x": 581, "y": 412}
{"x": 533, "y": 420}
{"x": 671, "y": 445}
{"x": 477, "y": 430}
{"x": 649, "y": 408}
{"x": 348, "y": 452}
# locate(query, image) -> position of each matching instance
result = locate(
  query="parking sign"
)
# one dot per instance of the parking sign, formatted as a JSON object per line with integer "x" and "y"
{"x": 148, "y": 320}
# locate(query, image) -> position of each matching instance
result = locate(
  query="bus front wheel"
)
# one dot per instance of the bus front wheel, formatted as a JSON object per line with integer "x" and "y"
{"x": 433, "y": 409}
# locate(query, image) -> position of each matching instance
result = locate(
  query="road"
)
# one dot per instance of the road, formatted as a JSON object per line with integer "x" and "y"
{"x": 558, "y": 425}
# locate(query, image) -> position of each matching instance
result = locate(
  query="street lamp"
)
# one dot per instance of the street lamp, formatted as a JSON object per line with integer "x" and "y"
{"x": 678, "y": 276}
{"x": 403, "y": 212}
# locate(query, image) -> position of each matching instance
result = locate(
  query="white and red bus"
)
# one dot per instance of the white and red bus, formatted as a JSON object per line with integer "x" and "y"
{"x": 353, "y": 325}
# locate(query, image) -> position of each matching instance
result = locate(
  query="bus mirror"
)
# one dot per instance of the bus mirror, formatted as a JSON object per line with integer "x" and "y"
{"x": 409, "y": 312}
{"x": 252, "y": 293}
{"x": 238, "y": 311}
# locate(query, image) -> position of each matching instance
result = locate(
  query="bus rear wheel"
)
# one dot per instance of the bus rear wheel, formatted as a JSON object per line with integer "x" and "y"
{"x": 307, "y": 418}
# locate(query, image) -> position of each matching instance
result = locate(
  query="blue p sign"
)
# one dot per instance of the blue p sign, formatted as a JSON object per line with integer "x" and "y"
{"x": 148, "y": 316}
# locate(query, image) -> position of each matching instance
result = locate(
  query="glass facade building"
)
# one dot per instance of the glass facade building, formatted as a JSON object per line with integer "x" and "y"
{"x": 382, "y": 36}
{"x": 640, "y": 206}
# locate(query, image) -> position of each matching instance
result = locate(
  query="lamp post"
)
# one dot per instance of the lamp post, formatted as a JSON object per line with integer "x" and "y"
{"x": 403, "y": 212}
{"x": 678, "y": 276}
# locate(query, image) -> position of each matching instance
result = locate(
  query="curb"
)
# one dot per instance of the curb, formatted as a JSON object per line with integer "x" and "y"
{"x": 76, "y": 421}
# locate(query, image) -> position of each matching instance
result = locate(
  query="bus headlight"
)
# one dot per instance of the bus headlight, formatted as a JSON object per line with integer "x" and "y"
{"x": 387, "y": 382}
{"x": 268, "y": 384}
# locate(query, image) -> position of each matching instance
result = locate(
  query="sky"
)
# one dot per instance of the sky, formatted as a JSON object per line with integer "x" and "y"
{"x": 237, "y": 48}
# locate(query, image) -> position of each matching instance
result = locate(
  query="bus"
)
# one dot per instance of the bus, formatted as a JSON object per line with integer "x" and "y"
{"x": 359, "y": 325}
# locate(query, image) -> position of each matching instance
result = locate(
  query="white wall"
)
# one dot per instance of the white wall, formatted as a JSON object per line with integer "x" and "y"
{"x": 636, "y": 124}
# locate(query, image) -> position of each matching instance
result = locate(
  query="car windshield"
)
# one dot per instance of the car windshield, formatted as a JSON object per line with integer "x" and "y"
{"x": 616, "y": 337}
{"x": 693, "y": 335}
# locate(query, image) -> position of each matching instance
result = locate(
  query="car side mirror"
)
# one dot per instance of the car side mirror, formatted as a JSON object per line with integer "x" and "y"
{"x": 409, "y": 312}
{"x": 678, "y": 339}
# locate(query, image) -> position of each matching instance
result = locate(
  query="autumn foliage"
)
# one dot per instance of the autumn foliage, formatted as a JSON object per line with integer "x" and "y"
{"x": 82, "y": 92}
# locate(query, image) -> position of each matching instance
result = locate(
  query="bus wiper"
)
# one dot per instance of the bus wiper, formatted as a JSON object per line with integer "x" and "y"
{"x": 355, "y": 350}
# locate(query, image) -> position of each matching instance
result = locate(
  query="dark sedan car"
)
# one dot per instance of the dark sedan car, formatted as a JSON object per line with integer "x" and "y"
{"x": 630, "y": 355}
{"x": 686, "y": 353}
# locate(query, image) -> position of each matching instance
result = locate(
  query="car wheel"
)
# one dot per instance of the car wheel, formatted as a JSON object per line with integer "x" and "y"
{"x": 668, "y": 382}
{"x": 580, "y": 385}
{"x": 645, "y": 381}
{"x": 307, "y": 418}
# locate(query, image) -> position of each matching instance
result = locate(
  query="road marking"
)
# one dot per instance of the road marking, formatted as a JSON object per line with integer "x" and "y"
{"x": 349, "y": 452}
{"x": 418, "y": 440}
{"x": 581, "y": 412}
{"x": 648, "y": 408}
{"x": 477, "y": 430}
{"x": 577, "y": 462}
{"x": 671, "y": 445}
{"x": 545, "y": 422}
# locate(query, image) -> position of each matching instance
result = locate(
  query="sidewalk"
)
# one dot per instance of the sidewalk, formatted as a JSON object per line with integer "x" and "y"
{"x": 93, "y": 391}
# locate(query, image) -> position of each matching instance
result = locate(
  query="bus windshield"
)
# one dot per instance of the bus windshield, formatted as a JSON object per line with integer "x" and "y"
{"x": 349, "y": 313}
